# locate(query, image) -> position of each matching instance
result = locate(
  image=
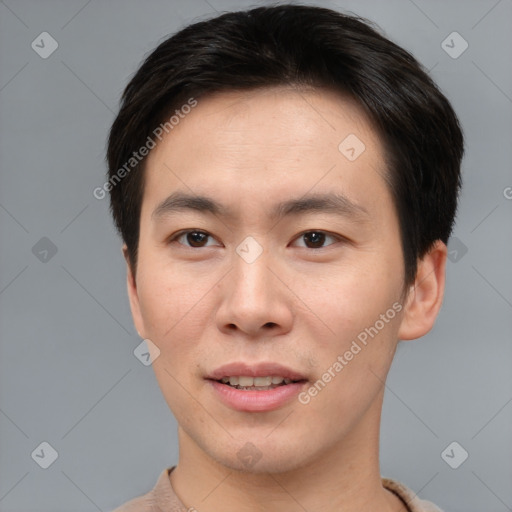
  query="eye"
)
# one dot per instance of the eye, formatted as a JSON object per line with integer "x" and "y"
{"x": 192, "y": 238}
{"x": 195, "y": 238}
{"x": 316, "y": 239}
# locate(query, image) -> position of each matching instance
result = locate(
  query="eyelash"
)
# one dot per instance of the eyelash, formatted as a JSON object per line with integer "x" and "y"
{"x": 337, "y": 238}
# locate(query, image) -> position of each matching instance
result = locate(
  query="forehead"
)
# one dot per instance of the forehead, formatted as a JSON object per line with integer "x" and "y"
{"x": 266, "y": 143}
{"x": 274, "y": 116}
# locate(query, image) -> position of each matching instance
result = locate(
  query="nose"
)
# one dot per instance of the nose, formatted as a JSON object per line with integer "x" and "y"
{"x": 256, "y": 301}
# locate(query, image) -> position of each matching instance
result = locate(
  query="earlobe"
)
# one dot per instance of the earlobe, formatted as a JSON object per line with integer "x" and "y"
{"x": 426, "y": 295}
{"x": 133, "y": 296}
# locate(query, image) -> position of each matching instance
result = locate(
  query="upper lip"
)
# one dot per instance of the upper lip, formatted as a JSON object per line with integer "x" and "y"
{"x": 265, "y": 369}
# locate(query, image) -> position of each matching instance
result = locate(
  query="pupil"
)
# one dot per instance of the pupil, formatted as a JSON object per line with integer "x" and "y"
{"x": 317, "y": 239}
{"x": 195, "y": 238}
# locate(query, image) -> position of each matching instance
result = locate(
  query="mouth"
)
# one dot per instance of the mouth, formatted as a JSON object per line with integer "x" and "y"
{"x": 248, "y": 383}
{"x": 256, "y": 388}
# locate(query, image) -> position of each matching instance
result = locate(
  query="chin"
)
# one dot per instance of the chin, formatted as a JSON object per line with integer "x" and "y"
{"x": 261, "y": 456}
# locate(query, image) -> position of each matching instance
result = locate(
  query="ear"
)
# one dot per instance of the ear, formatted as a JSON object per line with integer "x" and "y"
{"x": 426, "y": 294}
{"x": 133, "y": 296}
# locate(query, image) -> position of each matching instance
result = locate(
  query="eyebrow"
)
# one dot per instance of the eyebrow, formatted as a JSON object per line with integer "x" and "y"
{"x": 330, "y": 202}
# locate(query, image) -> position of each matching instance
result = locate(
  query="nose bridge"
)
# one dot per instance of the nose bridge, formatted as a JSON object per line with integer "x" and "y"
{"x": 251, "y": 272}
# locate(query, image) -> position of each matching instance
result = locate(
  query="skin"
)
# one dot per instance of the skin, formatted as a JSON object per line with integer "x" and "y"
{"x": 298, "y": 303}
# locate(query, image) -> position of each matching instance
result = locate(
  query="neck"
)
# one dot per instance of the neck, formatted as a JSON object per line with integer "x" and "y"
{"x": 342, "y": 478}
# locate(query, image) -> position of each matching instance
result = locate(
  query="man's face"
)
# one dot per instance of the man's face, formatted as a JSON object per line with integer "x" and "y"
{"x": 299, "y": 292}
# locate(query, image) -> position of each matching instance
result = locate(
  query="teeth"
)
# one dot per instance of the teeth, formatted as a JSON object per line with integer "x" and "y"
{"x": 245, "y": 381}
{"x": 263, "y": 381}
{"x": 254, "y": 381}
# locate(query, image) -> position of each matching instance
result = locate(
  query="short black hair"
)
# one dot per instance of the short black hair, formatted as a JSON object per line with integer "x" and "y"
{"x": 312, "y": 47}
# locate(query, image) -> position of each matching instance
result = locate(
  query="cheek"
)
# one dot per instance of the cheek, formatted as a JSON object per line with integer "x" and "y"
{"x": 175, "y": 314}
{"x": 347, "y": 299}
{"x": 351, "y": 372}
{"x": 176, "y": 306}
{"x": 358, "y": 313}
{"x": 169, "y": 299}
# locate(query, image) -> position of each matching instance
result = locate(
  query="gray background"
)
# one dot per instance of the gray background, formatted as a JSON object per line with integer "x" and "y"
{"x": 68, "y": 375}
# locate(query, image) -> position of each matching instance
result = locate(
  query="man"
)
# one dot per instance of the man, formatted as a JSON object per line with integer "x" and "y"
{"x": 285, "y": 181}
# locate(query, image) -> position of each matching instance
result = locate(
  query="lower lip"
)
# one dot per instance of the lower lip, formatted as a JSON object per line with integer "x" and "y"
{"x": 256, "y": 401}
